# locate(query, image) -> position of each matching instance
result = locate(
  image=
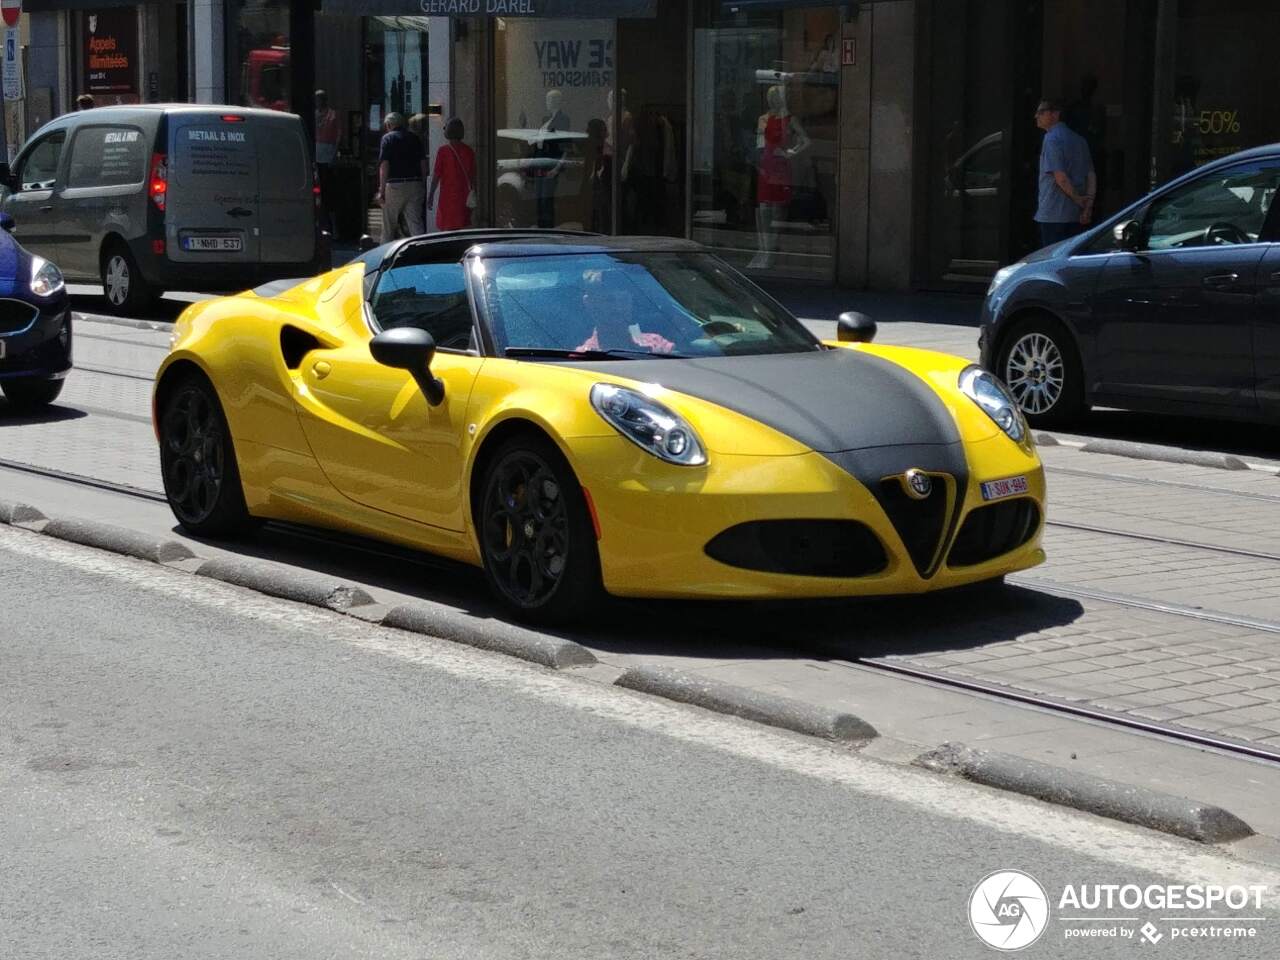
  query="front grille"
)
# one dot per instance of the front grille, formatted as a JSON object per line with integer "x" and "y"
{"x": 806, "y": 548}
{"x": 993, "y": 531}
{"x": 922, "y": 524}
{"x": 16, "y": 316}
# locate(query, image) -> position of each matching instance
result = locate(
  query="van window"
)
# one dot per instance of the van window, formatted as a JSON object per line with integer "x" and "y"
{"x": 39, "y": 169}
{"x": 286, "y": 167}
{"x": 107, "y": 157}
{"x": 214, "y": 154}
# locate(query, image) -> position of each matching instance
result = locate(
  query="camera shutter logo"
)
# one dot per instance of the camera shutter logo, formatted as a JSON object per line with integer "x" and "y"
{"x": 1008, "y": 910}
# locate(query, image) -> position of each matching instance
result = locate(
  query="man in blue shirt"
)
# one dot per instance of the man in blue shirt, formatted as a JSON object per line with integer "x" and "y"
{"x": 1067, "y": 179}
{"x": 402, "y": 177}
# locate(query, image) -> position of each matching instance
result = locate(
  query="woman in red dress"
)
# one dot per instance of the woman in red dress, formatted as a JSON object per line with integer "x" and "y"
{"x": 454, "y": 174}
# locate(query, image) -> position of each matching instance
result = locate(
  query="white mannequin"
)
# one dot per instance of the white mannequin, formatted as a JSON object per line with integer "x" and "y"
{"x": 774, "y": 190}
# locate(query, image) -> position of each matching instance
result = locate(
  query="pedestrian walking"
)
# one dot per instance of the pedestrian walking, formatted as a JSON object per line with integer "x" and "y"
{"x": 402, "y": 177}
{"x": 1067, "y": 184}
{"x": 328, "y": 132}
{"x": 454, "y": 174}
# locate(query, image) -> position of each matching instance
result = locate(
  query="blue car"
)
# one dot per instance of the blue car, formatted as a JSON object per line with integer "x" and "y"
{"x": 1172, "y": 305}
{"x": 35, "y": 325}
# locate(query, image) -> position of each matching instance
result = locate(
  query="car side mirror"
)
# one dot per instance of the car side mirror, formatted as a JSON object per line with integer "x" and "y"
{"x": 366, "y": 243}
{"x": 1128, "y": 234}
{"x": 853, "y": 327}
{"x": 6, "y": 223}
{"x": 408, "y": 348}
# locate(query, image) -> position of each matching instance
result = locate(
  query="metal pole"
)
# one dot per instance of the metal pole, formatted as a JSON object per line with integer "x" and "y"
{"x": 1163, "y": 90}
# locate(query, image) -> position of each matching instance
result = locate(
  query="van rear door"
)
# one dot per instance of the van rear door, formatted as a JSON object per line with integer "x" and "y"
{"x": 285, "y": 180}
{"x": 212, "y": 211}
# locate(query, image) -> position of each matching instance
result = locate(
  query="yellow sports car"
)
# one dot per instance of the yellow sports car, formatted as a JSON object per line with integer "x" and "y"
{"x": 578, "y": 415}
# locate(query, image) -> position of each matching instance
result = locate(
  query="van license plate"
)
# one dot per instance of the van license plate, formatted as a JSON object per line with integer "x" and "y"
{"x": 999, "y": 489}
{"x": 215, "y": 244}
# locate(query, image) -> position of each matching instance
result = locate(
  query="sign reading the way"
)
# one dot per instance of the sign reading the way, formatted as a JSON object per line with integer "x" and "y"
{"x": 495, "y": 8}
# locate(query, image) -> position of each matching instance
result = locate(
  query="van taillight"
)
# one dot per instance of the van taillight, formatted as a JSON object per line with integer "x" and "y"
{"x": 231, "y": 118}
{"x": 159, "y": 184}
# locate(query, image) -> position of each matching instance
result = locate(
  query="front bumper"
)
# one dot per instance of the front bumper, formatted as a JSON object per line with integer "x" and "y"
{"x": 41, "y": 349}
{"x": 656, "y": 521}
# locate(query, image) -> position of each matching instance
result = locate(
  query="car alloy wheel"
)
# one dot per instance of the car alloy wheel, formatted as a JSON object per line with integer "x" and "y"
{"x": 525, "y": 532}
{"x": 117, "y": 280}
{"x": 193, "y": 443}
{"x": 1036, "y": 373}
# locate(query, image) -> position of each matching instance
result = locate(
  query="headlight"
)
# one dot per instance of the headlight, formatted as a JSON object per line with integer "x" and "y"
{"x": 991, "y": 395}
{"x": 648, "y": 424}
{"x": 1003, "y": 274}
{"x": 46, "y": 279}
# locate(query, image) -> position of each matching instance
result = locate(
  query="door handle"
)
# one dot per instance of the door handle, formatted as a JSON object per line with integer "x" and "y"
{"x": 1221, "y": 280}
{"x": 239, "y": 212}
{"x": 321, "y": 369}
{"x": 46, "y": 208}
{"x": 1275, "y": 277}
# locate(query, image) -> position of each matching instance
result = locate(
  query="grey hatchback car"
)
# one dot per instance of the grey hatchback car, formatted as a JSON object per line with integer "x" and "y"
{"x": 1172, "y": 305}
{"x": 158, "y": 197}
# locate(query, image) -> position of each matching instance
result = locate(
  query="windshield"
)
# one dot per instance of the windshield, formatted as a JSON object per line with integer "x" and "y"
{"x": 677, "y": 304}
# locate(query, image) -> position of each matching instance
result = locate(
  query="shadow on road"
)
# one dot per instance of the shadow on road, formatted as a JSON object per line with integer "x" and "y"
{"x": 1189, "y": 433}
{"x": 165, "y": 310}
{"x": 838, "y": 629}
{"x": 11, "y": 416}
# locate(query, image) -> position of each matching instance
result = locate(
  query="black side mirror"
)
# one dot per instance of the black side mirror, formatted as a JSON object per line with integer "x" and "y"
{"x": 366, "y": 243}
{"x": 855, "y": 327}
{"x": 6, "y": 177}
{"x": 1128, "y": 234}
{"x": 6, "y": 223}
{"x": 408, "y": 348}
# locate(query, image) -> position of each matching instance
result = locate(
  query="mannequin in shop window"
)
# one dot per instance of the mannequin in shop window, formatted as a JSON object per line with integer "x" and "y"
{"x": 779, "y": 139}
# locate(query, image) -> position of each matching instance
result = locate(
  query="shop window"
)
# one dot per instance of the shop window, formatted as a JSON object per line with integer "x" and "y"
{"x": 555, "y": 107}
{"x": 765, "y": 130}
{"x": 262, "y": 55}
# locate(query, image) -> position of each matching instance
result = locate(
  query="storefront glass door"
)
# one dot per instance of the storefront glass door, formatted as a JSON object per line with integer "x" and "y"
{"x": 554, "y": 109}
{"x": 764, "y": 130}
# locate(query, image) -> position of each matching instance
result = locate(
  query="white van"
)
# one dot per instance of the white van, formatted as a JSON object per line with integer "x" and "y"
{"x": 158, "y": 197}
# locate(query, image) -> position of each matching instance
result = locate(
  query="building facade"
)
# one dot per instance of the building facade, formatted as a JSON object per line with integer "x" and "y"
{"x": 887, "y": 144}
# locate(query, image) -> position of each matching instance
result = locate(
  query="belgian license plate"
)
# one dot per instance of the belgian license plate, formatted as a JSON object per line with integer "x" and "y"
{"x": 215, "y": 244}
{"x": 999, "y": 489}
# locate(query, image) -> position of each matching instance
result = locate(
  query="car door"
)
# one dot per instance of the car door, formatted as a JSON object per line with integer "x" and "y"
{"x": 375, "y": 436}
{"x": 33, "y": 201}
{"x": 1266, "y": 339}
{"x": 1175, "y": 319}
{"x": 285, "y": 198}
{"x": 211, "y": 206}
{"x": 106, "y": 168}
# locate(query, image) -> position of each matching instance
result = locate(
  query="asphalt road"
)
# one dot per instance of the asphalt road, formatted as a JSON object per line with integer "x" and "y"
{"x": 190, "y": 770}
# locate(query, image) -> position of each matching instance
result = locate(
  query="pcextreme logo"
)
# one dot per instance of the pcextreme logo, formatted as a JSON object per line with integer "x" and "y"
{"x": 1009, "y": 910}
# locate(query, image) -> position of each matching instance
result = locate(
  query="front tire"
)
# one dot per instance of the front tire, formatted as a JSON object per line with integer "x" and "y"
{"x": 1040, "y": 365}
{"x": 536, "y": 536}
{"x": 31, "y": 394}
{"x": 126, "y": 290}
{"x": 198, "y": 462}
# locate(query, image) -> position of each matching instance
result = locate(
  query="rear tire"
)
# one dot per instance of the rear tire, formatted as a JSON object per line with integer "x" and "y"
{"x": 536, "y": 535}
{"x": 1040, "y": 364}
{"x": 198, "y": 461}
{"x": 31, "y": 394}
{"x": 127, "y": 292}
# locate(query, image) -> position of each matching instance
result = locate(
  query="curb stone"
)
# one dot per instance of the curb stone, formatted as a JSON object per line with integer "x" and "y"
{"x": 19, "y": 513}
{"x": 748, "y": 704}
{"x": 90, "y": 533}
{"x": 492, "y": 635}
{"x": 160, "y": 325}
{"x": 1047, "y": 440}
{"x": 1143, "y": 807}
{"x": 1151, "y": 451}
{"x": 286, "y": 584}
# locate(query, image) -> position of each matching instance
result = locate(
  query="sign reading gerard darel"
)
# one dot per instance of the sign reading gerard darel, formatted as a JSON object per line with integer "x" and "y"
{"x": 495, "y": 8}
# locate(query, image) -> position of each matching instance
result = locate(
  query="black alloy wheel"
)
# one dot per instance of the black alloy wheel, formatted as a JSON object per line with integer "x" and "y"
{"x": 536, "y": 535}
{"x": 26, "y": 394}
{"x": 198, "y": 463}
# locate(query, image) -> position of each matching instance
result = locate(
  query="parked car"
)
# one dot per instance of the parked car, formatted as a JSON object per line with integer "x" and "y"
{"x": 582, "y": 414}
{"x": 35, "y": 324}
{"x": 158, "y": 197}
{"x": 1172, "y": 305}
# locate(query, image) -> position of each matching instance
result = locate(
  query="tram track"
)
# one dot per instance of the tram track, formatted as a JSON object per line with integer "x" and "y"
{"x": 887, "y": 665}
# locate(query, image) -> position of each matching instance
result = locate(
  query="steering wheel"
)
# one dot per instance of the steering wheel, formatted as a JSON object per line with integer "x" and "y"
{"x": 1222, "y": 233}
{"x": 718, "y": 328}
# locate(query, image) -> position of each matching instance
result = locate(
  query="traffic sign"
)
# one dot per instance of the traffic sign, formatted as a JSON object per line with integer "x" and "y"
{"x": 11, "y": 10}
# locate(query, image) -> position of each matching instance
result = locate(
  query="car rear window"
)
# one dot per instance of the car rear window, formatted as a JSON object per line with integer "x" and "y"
{"x": 107, "y": 156}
